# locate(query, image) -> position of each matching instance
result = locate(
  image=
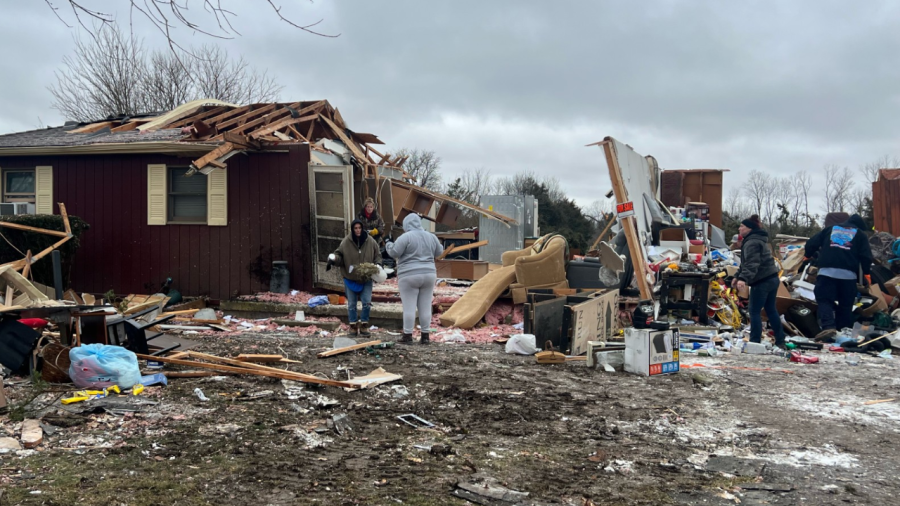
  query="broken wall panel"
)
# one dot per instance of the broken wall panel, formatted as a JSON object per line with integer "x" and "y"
{"x": 268, "y": 219}
{"x": 885, "y": 196}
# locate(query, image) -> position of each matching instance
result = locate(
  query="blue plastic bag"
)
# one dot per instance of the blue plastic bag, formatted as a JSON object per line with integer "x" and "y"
{"x": 100, "y": 365}
{"x": 318, "y": 300}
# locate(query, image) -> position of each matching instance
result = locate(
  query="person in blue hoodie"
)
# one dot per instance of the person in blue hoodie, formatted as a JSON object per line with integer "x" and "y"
{"x": 843, "y": 253}
{"x": 415, "y": 252}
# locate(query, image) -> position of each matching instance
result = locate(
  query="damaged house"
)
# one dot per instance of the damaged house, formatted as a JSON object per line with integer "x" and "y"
{"x": 211, "y": 194}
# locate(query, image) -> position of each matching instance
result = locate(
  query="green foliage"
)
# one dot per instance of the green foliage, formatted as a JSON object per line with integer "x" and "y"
{"x": 36, "y": 242}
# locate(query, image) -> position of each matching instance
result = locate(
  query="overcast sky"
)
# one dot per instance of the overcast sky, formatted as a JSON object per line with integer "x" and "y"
{"x": 518, "y": 85}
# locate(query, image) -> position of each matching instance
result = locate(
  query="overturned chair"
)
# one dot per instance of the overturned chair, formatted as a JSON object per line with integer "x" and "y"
{"x": 542, "y": 265}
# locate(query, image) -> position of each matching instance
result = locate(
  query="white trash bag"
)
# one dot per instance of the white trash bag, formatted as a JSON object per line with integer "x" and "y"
{"x": 521, "y": 344}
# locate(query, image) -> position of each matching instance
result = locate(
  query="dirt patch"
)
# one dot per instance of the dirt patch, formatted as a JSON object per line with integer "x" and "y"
{"x": 565, "y": 434}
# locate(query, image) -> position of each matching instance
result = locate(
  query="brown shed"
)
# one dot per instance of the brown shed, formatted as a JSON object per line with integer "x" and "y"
{"x": 886, "y": 201}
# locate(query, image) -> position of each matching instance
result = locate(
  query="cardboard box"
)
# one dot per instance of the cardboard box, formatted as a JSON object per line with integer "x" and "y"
{"x": 893, "y": 286}
{"x": 651, "y": 352}
{"x": 696, "y": 249}
{"x": 880, "y": 302}
{"x": 594, "y": 320}
{"x": 472, "y": 270}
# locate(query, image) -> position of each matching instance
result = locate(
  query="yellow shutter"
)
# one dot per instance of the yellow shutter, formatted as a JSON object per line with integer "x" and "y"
{"x": 156, "y": 194}
{"x": 217, "y": 198}
{"x": 43, "y": 189}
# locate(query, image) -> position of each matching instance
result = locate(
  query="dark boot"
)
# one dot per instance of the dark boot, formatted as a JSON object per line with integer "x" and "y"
{"x": 426, "y": 338}
{"x": 406, "y": 339}
{"x": 364, "y": 329}
{"x": 354, "y": 329}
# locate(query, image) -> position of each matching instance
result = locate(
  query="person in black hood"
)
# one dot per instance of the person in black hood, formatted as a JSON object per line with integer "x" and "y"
{"x": 357, "y": 248}
{"x": 843, "y": 254}
{"x": 760, "y": 272}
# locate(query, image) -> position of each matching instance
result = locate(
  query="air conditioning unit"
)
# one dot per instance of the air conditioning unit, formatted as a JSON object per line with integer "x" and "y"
{"x": 14, "y": 208}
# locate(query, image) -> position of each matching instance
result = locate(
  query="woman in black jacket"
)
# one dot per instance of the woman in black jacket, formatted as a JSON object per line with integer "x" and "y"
{"x": 760, "y": 272}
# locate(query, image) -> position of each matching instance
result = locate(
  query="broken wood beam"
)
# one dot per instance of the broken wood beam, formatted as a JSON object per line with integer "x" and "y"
{"x": 446, "y": 252}
{"x": 265, "y": 359}
{"x": 278, "y": 125}
{"x": 246, "y": 369}
{"x": 32, "y": 433}
{"x": 204, "y": 160}
{"x": 467, "y": 247}
{"x": 26, "y": 228}
{"x": 345, "y": 349}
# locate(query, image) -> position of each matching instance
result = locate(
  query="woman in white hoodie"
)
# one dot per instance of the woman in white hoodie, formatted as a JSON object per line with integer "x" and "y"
{"x": 415, "y": 252}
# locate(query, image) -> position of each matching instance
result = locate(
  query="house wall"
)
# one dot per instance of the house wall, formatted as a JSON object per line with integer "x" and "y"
{"x": 885, "y": 196}
{"x": 268, "y": 219}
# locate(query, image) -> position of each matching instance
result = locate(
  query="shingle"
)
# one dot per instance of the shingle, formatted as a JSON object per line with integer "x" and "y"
{"x": 60, "y": 136}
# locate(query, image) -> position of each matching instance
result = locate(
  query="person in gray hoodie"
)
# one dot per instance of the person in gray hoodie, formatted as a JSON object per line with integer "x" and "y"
{"x": 415, "y": 252}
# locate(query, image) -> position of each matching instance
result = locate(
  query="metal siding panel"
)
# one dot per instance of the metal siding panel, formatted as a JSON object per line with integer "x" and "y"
{"x": 501, "y": 237}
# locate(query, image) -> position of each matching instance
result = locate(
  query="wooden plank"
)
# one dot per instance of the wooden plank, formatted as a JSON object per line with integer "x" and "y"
{"x": 635, "y": 249}
{"x": 26, "y": 228}
{"x": 467, "y": 247}
{"x": 350, "y": 143}
{"x": 93, "y": 127}
{"x": 10, "y": 293}
{"x": 446, "y": 252}
{"x": 194, "y": 374}
{"x": 338, "y": 351}
{"x": 278, "y": 114}
{"x": 278, "y": 125}
{"x": 222, "y": 150}
{"x": 265, "y": 359}
{"x": 242, "y": 119}
{"x": 179, "y": 313}
{"x": 246, "y": 369}
{"x": 239, "y": 140}
{"x": 27, "y": 269}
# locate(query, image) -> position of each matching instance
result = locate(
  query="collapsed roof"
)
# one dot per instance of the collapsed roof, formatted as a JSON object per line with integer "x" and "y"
{"x": 217, "y": 130}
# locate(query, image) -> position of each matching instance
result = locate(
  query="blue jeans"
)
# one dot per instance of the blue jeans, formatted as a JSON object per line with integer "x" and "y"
{"x": 762, "y": 296}
{"x": 835, "y": 298}
{"x": 353, "y": 297}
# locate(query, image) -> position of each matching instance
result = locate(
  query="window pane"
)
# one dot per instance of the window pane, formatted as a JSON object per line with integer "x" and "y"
{"x": 20, "y": 182}
{"x": 179, "y": 183}
{"x": 189, "y": 206}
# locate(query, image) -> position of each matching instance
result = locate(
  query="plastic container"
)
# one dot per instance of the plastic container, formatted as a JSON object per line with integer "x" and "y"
{"x": 755, "y": 348}
{"x": 281, "y": 277}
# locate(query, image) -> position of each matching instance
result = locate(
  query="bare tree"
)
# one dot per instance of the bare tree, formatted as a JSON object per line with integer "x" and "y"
{"x": 521, "y": 184}
{"x": 423, "y": 167}
{"x": 214, "y": 18}
{"x": 104, "y": 77}
{"x": 802, "y": 184}
{"x": 235, "y": 81}
{"x": 870, "y": 170}
{"x": 838, "y": 188}
{"x": 736, "y": 206}
{"x": 472, "y": 184}
{"x": 598, "y": 211}
{"x": 756, "y": 189}
{"x": 784, "y": 197}
{"x": 112, "y": 75}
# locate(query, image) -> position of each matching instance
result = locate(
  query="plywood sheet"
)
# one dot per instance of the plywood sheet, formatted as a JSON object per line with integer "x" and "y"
{"x": 594, "y": 320}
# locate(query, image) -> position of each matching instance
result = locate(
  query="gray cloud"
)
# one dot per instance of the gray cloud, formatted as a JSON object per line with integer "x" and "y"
{"x": 512, "y": 85}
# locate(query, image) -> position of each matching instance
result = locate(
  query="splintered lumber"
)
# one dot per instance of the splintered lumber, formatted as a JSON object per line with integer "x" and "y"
{"x": 338, "y": 351}
{"x": 467, "y": 247}
{"x": 222, "y": 150}
{"x": 179, "y": 313}
{"x": 446, "y": 252}
{"x": 194, "y": 374}
{"x": 36, "y": 230}
{"x": 245, "y": 357}
{"x": 246, "y": 368}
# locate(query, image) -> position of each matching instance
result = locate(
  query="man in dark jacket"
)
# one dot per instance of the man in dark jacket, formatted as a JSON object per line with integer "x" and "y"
{"x": 843, "y": 252}
{"x": 760, "y": 272}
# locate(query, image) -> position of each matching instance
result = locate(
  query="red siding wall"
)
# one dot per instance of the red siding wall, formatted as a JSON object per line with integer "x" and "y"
{"x": 268, "y": 219}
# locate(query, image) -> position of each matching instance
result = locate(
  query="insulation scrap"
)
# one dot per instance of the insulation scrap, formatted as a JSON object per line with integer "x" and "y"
{"x": 280, "y": 298}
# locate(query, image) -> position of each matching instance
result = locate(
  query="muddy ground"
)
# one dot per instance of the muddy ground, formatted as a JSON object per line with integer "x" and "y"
{"x": 565, "y": 434}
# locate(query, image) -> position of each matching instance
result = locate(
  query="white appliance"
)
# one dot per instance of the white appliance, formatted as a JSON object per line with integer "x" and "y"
{"x": 15, "y": 208}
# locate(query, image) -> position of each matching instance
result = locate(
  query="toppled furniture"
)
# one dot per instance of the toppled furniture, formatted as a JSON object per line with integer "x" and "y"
{"x": 542, "y": 265}
{"x": 131, "y": 332}
{"x": 696, "y": 296}
{"x": 19, "y": 293}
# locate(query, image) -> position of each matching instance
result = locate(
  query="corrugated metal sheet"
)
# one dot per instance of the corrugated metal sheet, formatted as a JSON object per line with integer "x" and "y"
{"x": 268, "y": 219}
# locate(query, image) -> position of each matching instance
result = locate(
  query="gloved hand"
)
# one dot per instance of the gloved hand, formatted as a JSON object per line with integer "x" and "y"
{"x": 331, "y": 259}
{"x": 373, "y": 232}
{"x": 868, "y": 278}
